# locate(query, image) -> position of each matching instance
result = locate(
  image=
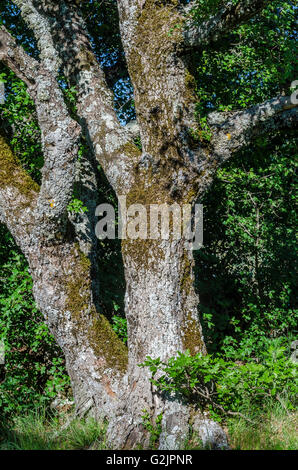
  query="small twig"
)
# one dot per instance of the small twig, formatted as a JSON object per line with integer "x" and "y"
{"x": 208, "y": 398}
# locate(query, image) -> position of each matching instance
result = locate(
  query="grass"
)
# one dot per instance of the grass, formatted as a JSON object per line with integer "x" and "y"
{"x": 274, "y": 428}
{"x": 40, "y": 431}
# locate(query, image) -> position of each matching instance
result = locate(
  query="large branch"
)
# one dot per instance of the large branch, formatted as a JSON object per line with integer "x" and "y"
{"x": 24, "y": 66}
{"x": 41, "y": 27}
{"x": 18, "y": 195}
{"x": 60, "y": 136}
{"x": 233, "y": 131}
{"x": 85, "y": 178}
{"x": 95, "y": 101}
{"x": 67, "y": 31}
{"x": 228, "y": 18}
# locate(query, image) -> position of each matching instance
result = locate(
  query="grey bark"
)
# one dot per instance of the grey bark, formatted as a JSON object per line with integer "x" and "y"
{"x": 161, "y": 310}
{"x": 59, "y": 136}
{"x": 235, "y": 130}
{"x": 160, "y": 302}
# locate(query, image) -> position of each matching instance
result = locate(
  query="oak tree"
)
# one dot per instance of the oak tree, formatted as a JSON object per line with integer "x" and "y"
{"x": 169, "y": 155}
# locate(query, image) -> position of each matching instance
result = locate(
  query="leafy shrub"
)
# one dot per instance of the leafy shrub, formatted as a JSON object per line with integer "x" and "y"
{"x": 227, "y": 387}
{"x": 246, "y": 271}
{"x": 18, "y": 121}
{"x": 34, "y": 370}
{"x": 154, "y": 429}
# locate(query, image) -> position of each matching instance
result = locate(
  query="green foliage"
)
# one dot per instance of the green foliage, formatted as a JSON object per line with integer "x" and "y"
{"x": 153, "y": 429}
{"x": 203, "y": 132}
{"x": 274, "y": 428}
{"x": 76, "y": 206}
{"x": 138, "y": 143}
{"x": 203, "y": 9}
{"x": 119, "y": 325}
{"x": 34, "y": 370}
{"x": 245, "y": 273}
{"x": 246, "y": 270}
{"x": 70, "y": 97}
{"x": 176, "y": 26}
{"x": 226, "y": 387}
{"x": 18, "y": 121}
{"x": 254, "y": 63}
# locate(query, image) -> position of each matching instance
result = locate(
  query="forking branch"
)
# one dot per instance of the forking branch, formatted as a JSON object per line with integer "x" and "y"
{"x": 68, "y": 45}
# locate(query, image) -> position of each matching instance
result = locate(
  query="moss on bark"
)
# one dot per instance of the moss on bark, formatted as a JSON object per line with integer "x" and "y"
{"x": 12, "y": 174}
{"x": 105, "y": 343}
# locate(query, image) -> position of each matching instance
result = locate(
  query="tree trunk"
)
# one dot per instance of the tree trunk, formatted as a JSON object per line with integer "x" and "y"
{"x": 96, "y": 359}
{"x": 161, "y": 312}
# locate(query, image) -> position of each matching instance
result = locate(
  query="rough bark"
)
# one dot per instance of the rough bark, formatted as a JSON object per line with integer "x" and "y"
{"x": 95, "y": 357}
{"x": 18, "y": 195}
{"x": 235, "y": 130}
{"x": 160, "y": 302}
{"x": 59, "y": 136}
{"x": 161, "y": 310}
{"x": 63, "y": 287}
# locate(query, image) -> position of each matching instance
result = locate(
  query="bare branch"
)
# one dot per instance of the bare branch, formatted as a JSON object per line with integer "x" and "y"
{"x": 14, "y": 56}
{"x": 228, "y": 18}
{"x": 233, "y": 131}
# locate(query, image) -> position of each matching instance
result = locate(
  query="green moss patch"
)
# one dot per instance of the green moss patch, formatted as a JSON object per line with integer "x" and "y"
{"x": 12, "y": 174}
{"x": 102, "y": 337}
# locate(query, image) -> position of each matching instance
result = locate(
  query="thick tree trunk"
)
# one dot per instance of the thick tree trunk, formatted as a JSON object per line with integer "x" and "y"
{"x": 96, "y": 359}
{"x": 161, "y": 311}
